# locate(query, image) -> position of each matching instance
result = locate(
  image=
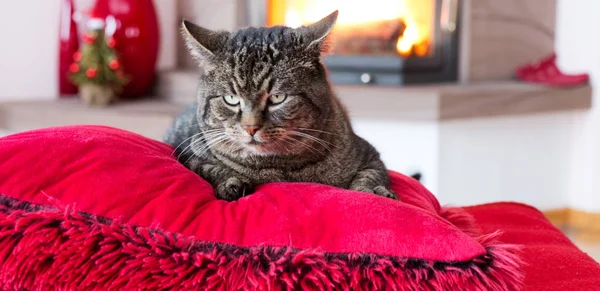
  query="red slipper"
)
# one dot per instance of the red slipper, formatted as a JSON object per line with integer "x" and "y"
{"x": 546, "y": 72}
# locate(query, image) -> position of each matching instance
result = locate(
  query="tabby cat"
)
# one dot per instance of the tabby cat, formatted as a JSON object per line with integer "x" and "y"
{"x": 265, "y": 112}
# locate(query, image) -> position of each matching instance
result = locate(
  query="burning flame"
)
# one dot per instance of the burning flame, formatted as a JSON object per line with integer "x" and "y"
{"x": 416, "y": 15}
{"x": 413, "y": 39}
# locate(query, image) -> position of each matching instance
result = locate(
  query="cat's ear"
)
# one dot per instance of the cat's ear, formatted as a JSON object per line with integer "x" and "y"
{"x": 317, "y": 34}
{"x": 201, "y": 42}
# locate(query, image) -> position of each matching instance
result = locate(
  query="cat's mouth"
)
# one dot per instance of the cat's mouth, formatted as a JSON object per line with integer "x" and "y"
{"x": 254, "y": 142}
{"x": 259, "y": 148}
{"x": 262, "y": 147}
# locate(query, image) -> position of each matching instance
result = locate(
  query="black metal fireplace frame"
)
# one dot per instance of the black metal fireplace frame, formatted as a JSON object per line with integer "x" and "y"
{"x": 441, "y": 67}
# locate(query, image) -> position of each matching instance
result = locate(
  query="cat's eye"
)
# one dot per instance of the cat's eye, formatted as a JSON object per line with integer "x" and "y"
{"x": 277, "y": 98}
{"x": 231, "y": 100}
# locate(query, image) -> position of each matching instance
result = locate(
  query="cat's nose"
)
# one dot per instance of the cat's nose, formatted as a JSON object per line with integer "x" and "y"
{"x": 251, "y": 129}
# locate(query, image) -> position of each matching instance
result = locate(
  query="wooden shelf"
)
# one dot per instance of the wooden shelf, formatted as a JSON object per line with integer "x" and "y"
{"x": 151, "y": 117}
{"x": 147, "y": 117}
{"x": 434, "y": 102}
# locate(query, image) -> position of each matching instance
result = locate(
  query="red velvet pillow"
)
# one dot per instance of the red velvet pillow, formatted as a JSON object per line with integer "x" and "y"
{"x": 99, "y": 208}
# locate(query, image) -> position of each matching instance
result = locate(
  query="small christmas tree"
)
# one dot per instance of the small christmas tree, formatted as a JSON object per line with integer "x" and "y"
{"x": 96, "y": 68}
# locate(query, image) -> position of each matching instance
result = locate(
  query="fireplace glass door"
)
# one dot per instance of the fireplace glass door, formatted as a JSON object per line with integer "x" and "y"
{"x": 391, "y": 42}
{"x": 401, "y": 28}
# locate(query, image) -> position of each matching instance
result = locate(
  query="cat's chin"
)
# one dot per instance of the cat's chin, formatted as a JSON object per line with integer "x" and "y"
{"x": 259, "y": 149}
{"x": 256, "y": 148}
{"x": 254, "y": 143}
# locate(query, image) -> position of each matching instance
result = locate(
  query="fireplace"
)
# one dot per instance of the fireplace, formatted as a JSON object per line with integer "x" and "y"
{"x": 383, "y": 42}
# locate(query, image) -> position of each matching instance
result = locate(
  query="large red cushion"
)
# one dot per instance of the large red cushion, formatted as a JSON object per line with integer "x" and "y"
{"x": 552, "y": 261}
{"x": 85, "y": 178}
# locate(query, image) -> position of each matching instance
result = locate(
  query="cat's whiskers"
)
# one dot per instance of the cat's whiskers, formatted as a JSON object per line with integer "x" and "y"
{"x": 307, "y": 146}
{"x": 189, "y": 147}
{"x": 211, "y": 141}
{"x": 290, "y": 141}
{"x": 321, "y": 142}
{"x": 175, "y": 150}
{"x": 194, "y": 135}
{"x": 316, "y": 130}
{"x": 202, "y": 150}
{"x": 312, "y": 136}
{"x": 205, "y": 136}
{"x": 230, "y": 144}
{"x": 213, "y": 130}
{"x": 280, "y": 145}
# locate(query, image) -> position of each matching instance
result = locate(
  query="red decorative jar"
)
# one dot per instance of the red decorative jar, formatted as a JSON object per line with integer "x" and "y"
{"x": 68, "y": 45}
{"x": 134, "y": 27}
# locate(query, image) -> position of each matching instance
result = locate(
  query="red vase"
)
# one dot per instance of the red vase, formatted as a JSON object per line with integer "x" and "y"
{"x": 68, "y": 45}
{"x": 137, "y": 39}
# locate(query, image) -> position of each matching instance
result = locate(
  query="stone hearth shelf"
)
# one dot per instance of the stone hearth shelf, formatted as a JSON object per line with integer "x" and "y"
{"x": 150, "y": 117}
{"x": 432, "y": 102}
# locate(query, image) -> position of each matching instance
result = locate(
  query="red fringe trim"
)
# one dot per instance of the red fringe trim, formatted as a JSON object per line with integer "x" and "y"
{"x": 461, "y": 219}
{"x": 44, "y": 248}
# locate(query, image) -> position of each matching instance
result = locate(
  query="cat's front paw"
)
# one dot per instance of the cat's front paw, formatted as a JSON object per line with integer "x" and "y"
{"x": 232, "y": 189}
{"x": 377, "y": 190}
{"x": 385, "y": 192}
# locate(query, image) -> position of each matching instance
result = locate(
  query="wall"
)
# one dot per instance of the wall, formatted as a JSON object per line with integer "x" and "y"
{"x": 29, "y": 50}
{"x": 169, "y": 34}
{"x": 549, "y": 161}
{"x": 503, "y": 34}
{"x": 524, "y": 159}
{"x": 212, "y": 14}
{"x": 578, "y": 48}
{"x": 405, "y": 147}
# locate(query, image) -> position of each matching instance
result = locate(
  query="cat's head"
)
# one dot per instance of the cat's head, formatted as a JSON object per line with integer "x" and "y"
{"x": 263, "y": 91}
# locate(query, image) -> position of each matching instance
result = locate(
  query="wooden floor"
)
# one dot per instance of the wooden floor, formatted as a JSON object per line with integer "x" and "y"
{"x": 591, "y": 248}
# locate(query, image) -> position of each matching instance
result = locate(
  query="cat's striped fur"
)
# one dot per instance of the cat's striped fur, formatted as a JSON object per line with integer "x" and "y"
{"x": 305, "y": 138}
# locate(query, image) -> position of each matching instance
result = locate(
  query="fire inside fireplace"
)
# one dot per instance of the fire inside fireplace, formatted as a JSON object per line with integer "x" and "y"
{"x": 388, "y": 42}
{"x": 376, "y": 27}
